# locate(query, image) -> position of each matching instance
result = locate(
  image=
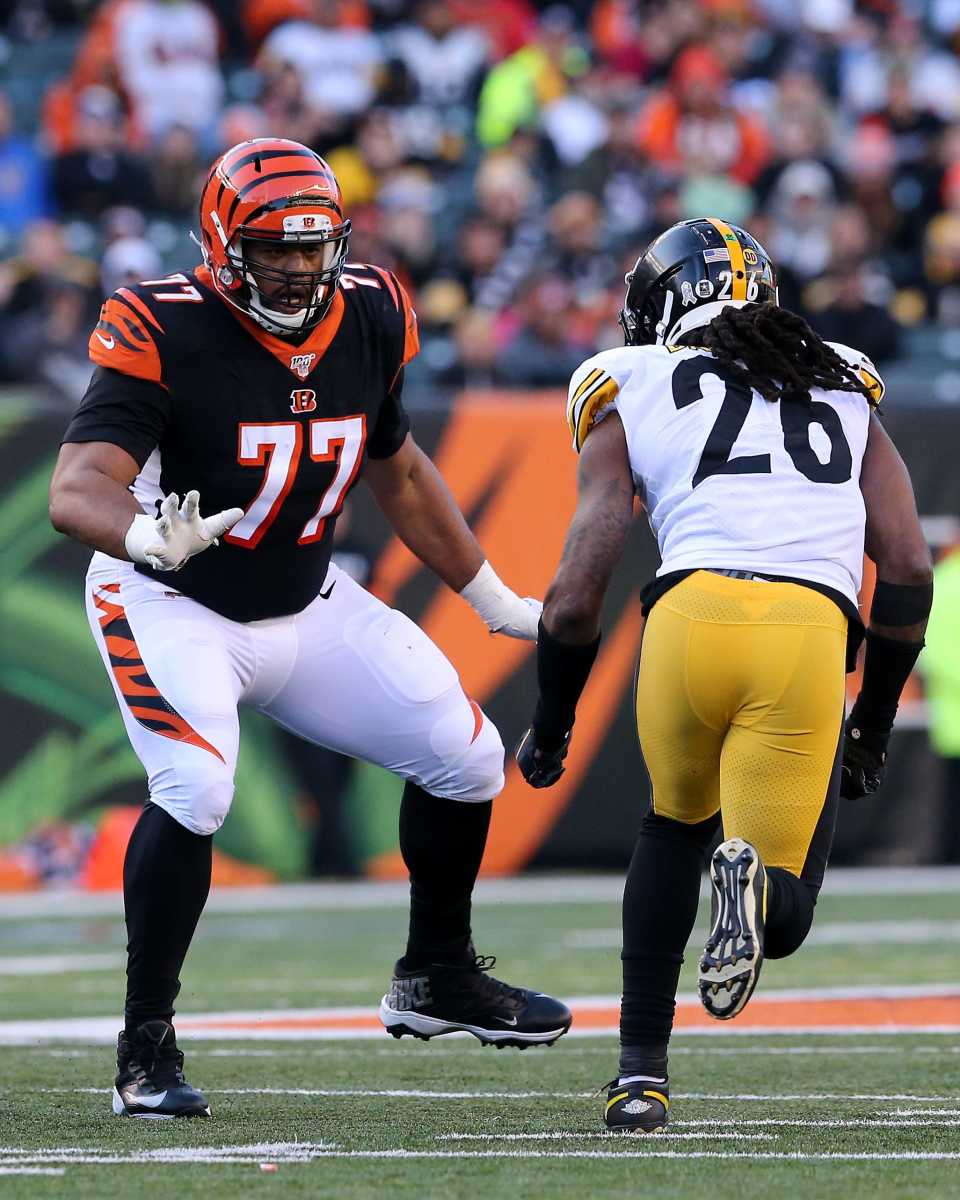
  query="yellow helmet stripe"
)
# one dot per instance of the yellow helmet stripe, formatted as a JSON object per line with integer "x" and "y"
{"x": 738, "y": 268}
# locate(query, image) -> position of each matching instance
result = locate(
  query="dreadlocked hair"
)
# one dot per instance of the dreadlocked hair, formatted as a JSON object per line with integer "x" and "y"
{"x": 776, "y": 352}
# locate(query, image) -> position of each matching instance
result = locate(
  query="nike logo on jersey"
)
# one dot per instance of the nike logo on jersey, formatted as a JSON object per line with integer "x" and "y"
{"x": 326, "y": 595}
{"x": 109, "y": 342}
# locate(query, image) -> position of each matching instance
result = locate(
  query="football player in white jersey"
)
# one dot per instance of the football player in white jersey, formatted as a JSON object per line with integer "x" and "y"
{"x": 756, "y": 451}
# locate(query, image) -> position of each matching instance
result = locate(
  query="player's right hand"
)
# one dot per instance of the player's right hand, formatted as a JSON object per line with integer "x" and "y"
{"x": 178, "y": 533}
{"x": 540, "y": 768}
{"x": 864, "y": 762}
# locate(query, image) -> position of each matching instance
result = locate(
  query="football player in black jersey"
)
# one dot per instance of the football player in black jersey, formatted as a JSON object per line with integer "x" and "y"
{"x": 266, "y": 381}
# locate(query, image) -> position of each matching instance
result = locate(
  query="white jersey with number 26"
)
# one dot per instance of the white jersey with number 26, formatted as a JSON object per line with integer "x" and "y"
{"x": 731, "y": 480}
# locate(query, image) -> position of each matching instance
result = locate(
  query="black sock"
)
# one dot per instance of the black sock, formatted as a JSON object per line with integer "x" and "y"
{"x": 166, "y": 878}
{"x": 790, "y": 905}
{"x": 442, "y": 843}
{"x": 659, "y": 910}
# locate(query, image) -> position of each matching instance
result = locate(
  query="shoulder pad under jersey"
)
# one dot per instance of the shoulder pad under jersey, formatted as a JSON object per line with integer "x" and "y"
{"x": 396, "y": 305}
{"x": 864, "y": 368}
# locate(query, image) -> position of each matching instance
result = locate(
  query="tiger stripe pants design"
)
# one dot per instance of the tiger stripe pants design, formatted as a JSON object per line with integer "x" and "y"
{"x": 347, "y": 672}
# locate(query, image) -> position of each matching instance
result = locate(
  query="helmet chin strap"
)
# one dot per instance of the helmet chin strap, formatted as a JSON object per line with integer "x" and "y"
{"x": 280, "y": 322}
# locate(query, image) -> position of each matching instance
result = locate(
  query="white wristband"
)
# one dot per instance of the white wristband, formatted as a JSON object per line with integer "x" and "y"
{"x": 499, "y": 607}
{"x": 142, "y": 534}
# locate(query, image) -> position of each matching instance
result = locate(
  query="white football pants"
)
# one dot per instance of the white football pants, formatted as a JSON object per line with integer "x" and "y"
{"x": 348, "y": 673}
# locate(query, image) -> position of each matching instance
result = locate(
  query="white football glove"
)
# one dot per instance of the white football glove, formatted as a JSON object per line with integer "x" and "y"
{"x": 177, "y": 534}
{"x": 501, "y": 609}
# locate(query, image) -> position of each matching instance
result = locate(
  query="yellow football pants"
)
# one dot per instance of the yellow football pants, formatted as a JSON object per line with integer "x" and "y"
{"x": 739, "y": 707}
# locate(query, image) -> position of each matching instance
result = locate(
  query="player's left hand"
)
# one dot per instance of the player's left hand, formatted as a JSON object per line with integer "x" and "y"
{"x": 864, "y": 762}
{"x": 500, "y": 608}
{"x": 541, "y": 768}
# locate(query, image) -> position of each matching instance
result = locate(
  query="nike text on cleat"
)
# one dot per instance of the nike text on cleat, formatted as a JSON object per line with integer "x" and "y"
{"x": 450, "y": 998}
{"x": 733, "y": 955}
{"x": 639, "y": 1107}
{"x": 150, "y": 1082}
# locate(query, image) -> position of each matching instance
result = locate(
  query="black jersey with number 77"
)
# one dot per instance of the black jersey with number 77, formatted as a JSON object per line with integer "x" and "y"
{"x": 202, "y": 397}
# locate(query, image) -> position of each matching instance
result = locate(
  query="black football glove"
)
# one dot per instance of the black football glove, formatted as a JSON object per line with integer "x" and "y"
{"x": 541, "y": 768}
{"x": 864, "y": 761}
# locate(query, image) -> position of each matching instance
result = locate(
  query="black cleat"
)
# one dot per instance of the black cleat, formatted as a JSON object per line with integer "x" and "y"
{"x": 637, "y": 1107}
{"x": 150, "y": 1080}
{"x": 730, "y": 966}
{"x": 444, "y": 998}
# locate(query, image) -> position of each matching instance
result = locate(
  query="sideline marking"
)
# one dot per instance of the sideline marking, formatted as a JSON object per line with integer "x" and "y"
{"x": 845, "y": 1010}
{"x": 535, "y": 889}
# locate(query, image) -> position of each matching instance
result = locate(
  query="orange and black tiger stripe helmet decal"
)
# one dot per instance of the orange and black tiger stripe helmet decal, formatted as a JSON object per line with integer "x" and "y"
{"x": 260, "y": 177}
{"x": 141, "y": 695}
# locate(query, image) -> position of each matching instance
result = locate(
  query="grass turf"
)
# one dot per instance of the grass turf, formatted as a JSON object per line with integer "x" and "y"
{"x": 277, "y": 959}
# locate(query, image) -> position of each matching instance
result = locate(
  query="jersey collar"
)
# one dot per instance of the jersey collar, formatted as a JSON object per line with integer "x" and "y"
{"x": 300, "y": 359}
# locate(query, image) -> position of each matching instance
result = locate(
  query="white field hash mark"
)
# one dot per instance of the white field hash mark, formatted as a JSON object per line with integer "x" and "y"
{"x": 281, "y": 1152}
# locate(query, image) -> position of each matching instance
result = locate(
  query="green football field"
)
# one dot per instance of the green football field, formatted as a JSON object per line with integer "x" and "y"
{"x": 847, "y": 1084}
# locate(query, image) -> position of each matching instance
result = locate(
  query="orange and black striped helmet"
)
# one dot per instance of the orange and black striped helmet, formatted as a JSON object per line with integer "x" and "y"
{"x": 273, "y": 190}
{"x": 688, "y": 275}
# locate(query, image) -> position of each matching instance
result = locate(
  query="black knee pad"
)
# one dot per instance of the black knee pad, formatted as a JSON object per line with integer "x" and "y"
{"x": 790, "y": 905}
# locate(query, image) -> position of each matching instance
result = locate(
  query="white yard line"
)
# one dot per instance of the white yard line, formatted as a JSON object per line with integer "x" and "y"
{"x": 532, "y": 889}
{"x": 31, "y": 1170}
{"x": 58, "y": 964}
{"x": 742, "y": 1155}
{"x": 703, "y": 1128}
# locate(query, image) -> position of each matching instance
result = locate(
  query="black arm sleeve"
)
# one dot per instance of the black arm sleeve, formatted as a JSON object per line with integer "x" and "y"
{"x": 127, "y": 412}
{"x": 562, "y": 671}
{"x": 392, "y": 425}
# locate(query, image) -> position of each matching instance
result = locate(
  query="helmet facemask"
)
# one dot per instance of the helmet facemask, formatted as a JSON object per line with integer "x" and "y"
{"x": 286, "y": 302}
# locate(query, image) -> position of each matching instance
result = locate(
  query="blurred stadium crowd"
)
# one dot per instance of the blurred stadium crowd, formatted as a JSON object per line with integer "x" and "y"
{"x": 507, "y": 159}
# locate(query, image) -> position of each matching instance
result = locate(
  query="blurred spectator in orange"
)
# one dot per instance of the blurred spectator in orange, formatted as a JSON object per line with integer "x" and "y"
{"x": 617, "y": 34}
{"x": 261, "y": 17}
{"x": 24, "y": 187}
{"x": 167, "y": 54}
{"x": 509, "y": 24}
{"x": 691, "y": 125}
{"x": 99, "y": 172}
{"x": 338, "y": 65}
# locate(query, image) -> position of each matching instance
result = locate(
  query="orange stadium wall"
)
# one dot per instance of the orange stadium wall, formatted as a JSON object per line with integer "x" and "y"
{"x": 65, "y": 766}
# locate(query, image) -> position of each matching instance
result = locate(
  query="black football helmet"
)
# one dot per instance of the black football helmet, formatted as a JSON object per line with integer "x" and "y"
{"x": 688, "y": 275}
